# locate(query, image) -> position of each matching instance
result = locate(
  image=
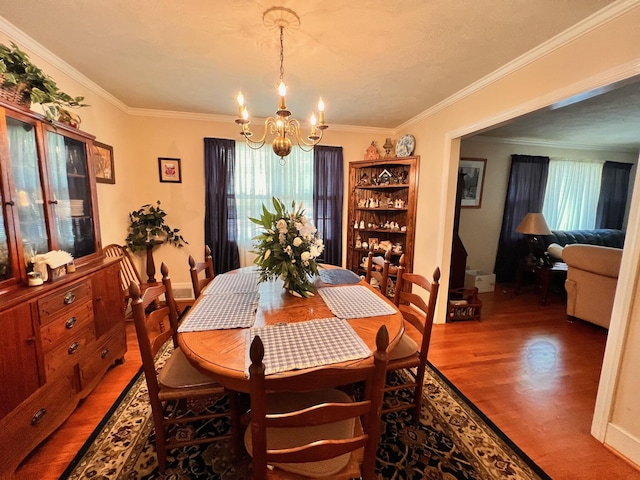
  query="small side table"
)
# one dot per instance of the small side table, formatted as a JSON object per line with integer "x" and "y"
{"x": 544, "y": 275}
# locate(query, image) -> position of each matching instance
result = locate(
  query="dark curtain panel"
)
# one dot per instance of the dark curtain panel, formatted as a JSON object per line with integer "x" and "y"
{"x": 220, "y": 227}
{"x": 613, "y": 195}
{"x": 328, "y": 187}
{"x": 525, "y": 193}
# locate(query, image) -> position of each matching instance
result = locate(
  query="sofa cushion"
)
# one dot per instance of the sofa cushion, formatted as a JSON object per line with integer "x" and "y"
{"x": 605, "y": 237}
{"x": 555, "y": 251}
{"x": 603, "y": 261}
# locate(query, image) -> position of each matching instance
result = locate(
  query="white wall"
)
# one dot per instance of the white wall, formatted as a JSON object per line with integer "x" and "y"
{"x": 480, "y": 227}
{"x": 607, "y": 53}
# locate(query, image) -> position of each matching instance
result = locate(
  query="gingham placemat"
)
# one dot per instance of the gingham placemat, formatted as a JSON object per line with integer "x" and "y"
{"x": 218, "y": 312}
{"x": 232, "y": 283}
{"x": 338, "y": 276}
{"x": 291, "y": 346}
{"x": 354, "y": 301}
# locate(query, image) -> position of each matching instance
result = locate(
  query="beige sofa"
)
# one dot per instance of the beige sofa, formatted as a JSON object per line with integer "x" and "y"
{"x": 592, "y": 276}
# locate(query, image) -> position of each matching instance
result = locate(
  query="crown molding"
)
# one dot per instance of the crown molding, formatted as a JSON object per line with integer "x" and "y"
{"x": 550, "y": 144}
{"x": 578, "y": 30}
{"x": 30, "y": 44}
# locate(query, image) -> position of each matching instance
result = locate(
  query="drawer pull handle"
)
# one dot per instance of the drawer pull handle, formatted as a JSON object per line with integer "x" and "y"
{"x": 69, "y": 298}
{"x": 69, "y": 324}
{"x": 38, "y": 416}
{"x": 73, "y": 347}
{"x": 10, "y": 203}
{"x": 104, "y": 353}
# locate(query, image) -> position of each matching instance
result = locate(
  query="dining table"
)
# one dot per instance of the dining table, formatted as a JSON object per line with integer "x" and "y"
{"x": 338, "y": 323}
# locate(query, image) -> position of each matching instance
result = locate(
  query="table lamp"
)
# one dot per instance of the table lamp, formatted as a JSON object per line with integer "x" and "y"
{"x": 533, "y": 224}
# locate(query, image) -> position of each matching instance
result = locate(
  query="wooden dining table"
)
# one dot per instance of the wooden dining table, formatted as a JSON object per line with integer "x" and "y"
{"x": 222, "y": 353}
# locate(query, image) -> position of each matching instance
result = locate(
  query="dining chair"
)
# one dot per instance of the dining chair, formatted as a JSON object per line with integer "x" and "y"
{"x": 378, "y": 277}
{"x": 177, "y": 386}
{"x": 195, "y": 268}
{"x": 128, "y": 271}
{"x": 411, "y": 352}
{"x": 302, "y": 425}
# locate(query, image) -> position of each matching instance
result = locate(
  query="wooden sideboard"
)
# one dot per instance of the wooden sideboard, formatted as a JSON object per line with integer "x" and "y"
{"x": 59, "y": 338}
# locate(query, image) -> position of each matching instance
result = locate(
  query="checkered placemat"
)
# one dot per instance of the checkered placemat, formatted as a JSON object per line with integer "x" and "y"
{"x": 233, "y": 283}
{"x": 338, "y": 276}
{"x": 218, "y": 312}
{"x": 354, "y": 301}
{"x": 291, "y": 346}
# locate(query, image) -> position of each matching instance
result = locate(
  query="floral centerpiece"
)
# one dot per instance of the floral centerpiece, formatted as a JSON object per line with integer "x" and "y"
{"x": 287, "y": 248}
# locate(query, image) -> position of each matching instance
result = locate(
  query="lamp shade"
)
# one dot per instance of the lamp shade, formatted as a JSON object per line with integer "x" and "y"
{"x": 533, "y": 224}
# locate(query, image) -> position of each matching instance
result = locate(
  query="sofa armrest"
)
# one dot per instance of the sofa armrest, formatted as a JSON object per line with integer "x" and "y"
{"x": 592, "y": 258}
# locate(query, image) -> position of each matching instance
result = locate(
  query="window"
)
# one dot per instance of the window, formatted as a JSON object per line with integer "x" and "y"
{"x": 259, "y": 176}
{"x": 571, "y": 197}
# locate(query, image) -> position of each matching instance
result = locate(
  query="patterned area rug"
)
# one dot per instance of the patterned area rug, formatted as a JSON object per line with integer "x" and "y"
{"x": 453, "y": 440}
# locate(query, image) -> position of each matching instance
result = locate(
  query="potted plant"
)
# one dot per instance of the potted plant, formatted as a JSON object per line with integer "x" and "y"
{"x": 24, "y": 83}
{"x": 147, "y": 228}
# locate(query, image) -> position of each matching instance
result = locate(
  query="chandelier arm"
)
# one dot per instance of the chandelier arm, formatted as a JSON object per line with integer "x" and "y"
{"x": 270, "y": 126}
{"x": 294, "y": 129}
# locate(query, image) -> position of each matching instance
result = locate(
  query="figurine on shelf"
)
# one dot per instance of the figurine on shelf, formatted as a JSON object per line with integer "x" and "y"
{"x": 385, "y": 177}
{"x": 355, "y": 224}
{"x": 358, "y": 241}
{"x": 363, "y": 180}
{"x": 387, "y": 225}
{"x": 361, "y": 223}
{"x": 372, "y": 152}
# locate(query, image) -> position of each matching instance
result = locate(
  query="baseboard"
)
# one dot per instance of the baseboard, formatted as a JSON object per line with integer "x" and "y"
{"x": 183, "y": 291}
{"x": 623, "y": 443}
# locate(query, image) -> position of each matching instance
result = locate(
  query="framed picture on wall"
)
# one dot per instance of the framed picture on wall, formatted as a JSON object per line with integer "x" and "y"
{"x": 169, "y": 169}
{"x": 103, "y": 163}
{"x": 473, "y": 170}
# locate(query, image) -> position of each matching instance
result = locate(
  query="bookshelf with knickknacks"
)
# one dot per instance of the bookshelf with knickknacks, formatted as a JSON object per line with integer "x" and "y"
{"x": 382, "y": 212}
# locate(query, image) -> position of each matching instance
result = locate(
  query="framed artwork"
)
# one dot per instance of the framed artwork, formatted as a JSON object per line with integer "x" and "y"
{"x": 103, "y": 163}
{"x": 169, "y": 169}
{"x": 473, "y": 170}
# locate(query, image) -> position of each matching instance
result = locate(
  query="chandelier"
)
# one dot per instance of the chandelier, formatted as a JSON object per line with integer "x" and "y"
{"x": 282, "y": 127}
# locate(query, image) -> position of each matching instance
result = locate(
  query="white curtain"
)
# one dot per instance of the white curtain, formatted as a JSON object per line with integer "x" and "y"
{"x": 571, "y": 198}
{"x": 259, "y": 176}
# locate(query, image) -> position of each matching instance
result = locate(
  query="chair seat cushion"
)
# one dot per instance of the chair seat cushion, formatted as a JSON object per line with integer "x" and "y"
{"x": 177, "y": 372}
{"x": 278, "y": 438}
{"x": 406, "y": 347}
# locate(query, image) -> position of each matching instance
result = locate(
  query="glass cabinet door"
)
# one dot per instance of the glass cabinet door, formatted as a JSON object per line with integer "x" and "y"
{"x": 27, "y": 185}
{"x": 5, "y": 258}
{"x": 70, "y": 186}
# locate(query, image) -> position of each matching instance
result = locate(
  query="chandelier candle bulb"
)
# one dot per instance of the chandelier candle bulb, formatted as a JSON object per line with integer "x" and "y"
{"x": 320, "y": 111}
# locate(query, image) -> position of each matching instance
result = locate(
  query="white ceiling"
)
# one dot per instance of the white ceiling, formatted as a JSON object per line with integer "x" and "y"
{"x": 376, "y": 64}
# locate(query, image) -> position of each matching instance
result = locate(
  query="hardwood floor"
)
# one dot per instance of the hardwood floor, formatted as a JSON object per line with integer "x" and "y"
{"x": 534, "y": 374}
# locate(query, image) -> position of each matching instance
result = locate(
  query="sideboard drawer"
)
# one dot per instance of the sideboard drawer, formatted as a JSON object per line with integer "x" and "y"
{"x": 34, "y": 419}
{"x": 104, "y": 355}
{"x": 69, "y": 353}
{"x": 65, "y": 326}
{"x": 64, "y": 299}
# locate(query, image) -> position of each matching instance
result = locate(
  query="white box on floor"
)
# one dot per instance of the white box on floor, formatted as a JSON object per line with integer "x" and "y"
{"x": 484, "y": 282}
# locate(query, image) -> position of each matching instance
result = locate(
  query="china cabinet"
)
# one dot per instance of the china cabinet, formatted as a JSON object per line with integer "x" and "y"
{"x": 382, "y": 210}
{"x": 62, "y": 333}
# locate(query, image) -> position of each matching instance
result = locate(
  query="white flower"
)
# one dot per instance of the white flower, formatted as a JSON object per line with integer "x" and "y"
{"x": 282, "y": 226}
{"x": 314, "y": 251}
{"x": 289, "y": 250}
{"x": 306, "y": 229}
{"x": 305, "y": 256}
{"x": 297, "y": 242}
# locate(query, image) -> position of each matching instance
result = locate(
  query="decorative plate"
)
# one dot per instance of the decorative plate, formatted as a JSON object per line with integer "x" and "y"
{"x": 405, "y": 146}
